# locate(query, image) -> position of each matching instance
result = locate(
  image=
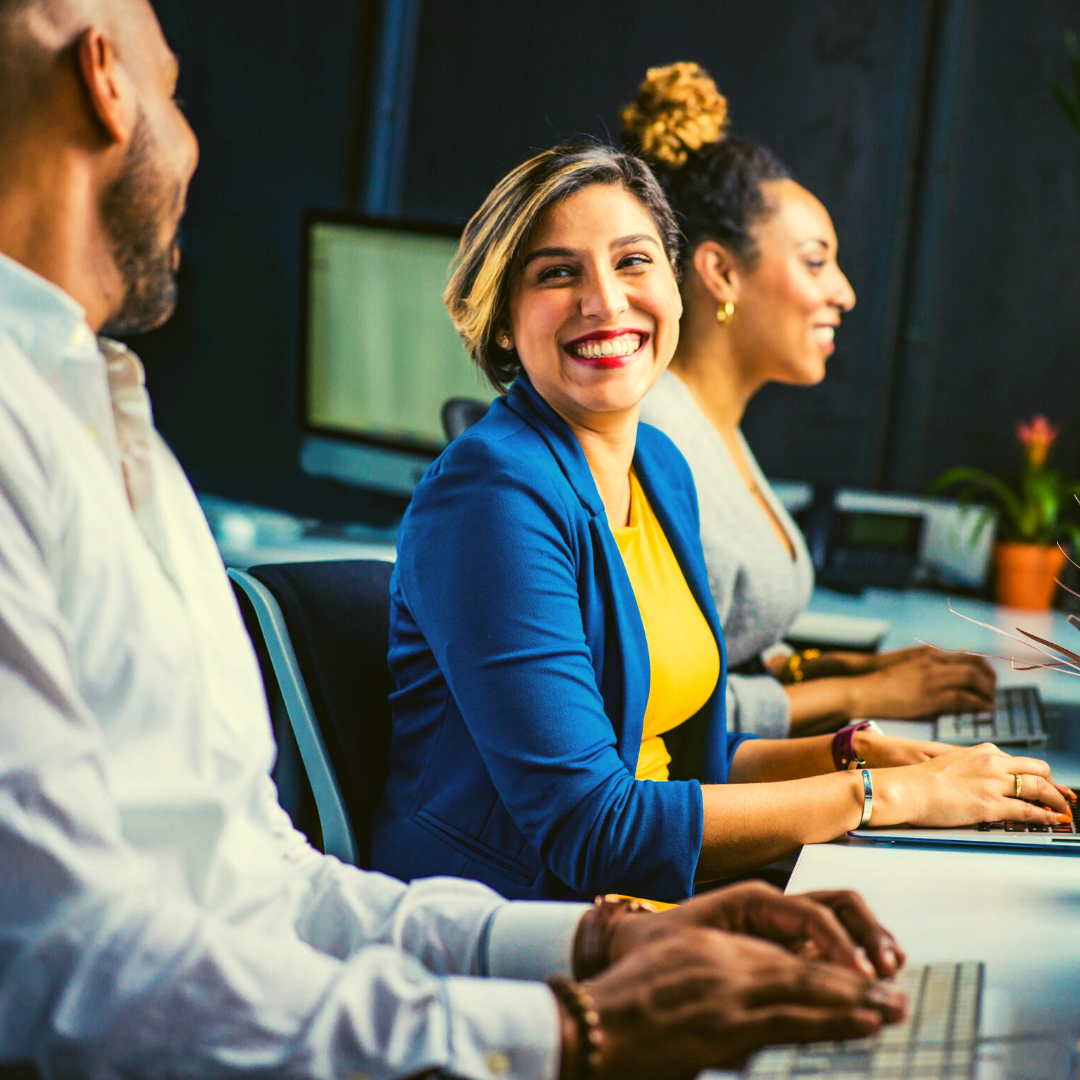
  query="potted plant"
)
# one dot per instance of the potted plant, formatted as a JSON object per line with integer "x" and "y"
{"x": 1027, "y": 555}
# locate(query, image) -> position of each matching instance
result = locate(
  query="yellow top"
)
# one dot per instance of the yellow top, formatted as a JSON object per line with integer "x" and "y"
{"x": 683, "y": 657}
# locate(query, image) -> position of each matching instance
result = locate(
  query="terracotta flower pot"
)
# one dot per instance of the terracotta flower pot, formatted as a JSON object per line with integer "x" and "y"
{"x": 1024, "y": 574}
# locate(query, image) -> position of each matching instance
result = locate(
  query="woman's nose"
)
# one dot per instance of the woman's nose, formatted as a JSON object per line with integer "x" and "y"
{"x": 603, "y": 298}
{"x": 844, "y": 297}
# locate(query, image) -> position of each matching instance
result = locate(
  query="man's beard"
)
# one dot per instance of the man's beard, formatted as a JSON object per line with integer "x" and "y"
{"x": 132, "y": 212}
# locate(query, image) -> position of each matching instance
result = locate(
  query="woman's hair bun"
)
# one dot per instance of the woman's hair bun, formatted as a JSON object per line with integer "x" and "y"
{"x": 677, "y": 110}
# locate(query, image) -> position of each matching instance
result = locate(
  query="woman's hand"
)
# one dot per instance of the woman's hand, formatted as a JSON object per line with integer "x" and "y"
{"x": 708, "y": 999}
{"x": 919, "y": 682}
{"x": 969, "y": 785}
{"x": 884, "y": 751}
{"x": 837, "y": 926}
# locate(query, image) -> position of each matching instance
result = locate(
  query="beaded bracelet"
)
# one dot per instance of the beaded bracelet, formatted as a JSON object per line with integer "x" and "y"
{"x": 579, "y": 1004}
{"x": 592, "y": 948}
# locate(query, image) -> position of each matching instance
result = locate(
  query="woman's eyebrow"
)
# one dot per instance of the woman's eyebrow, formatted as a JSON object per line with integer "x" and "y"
{"x": 814, "y": 240}
{"x": 549, "y": 252}
{"x": 569, "y": 253}
{"x": 637, "y": 238}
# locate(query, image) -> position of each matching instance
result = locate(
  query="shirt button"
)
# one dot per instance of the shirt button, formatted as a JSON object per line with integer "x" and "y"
{"x": 498, "y": 1063}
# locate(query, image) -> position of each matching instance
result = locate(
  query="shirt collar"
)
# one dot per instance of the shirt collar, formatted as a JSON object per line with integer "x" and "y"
{"x": 42, "y": 319}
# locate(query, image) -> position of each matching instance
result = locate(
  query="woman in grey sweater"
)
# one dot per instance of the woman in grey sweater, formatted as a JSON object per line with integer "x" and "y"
{"x": 763, "y": 295}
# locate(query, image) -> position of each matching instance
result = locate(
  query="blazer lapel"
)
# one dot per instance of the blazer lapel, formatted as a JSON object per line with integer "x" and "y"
{"x": 626, "y": 674}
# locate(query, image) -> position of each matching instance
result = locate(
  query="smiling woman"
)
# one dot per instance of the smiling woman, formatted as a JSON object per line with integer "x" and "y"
{"x": 559, "y": 714}
{"x": 764, "y": 297}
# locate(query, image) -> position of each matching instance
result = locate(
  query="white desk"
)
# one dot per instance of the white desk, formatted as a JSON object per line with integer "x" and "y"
{"x": 1018, "y": 913}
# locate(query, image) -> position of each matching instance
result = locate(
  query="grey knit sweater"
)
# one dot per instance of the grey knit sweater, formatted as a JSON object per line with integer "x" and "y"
{"x": 757, "y": 586}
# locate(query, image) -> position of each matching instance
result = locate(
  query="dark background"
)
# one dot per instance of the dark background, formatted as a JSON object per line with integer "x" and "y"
{"x": 926, "y": 126}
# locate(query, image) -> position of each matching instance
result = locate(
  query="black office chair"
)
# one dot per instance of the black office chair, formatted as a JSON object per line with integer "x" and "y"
{"x": 460, "y": 413}
{"x": 325, "y": 628}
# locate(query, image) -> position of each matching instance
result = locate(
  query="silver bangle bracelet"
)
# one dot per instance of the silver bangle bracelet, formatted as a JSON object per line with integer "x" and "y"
{"x": 868, "y": 798}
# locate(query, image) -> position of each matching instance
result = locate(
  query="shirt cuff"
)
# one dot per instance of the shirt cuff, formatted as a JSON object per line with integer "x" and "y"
{"x": 533, "y": 940}
{"x": 758, "y": 705}
{"x": 502, "y": 1029}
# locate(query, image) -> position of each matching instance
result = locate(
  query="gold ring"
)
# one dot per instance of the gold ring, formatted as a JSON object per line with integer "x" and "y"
{"x": 1019, "y": 783}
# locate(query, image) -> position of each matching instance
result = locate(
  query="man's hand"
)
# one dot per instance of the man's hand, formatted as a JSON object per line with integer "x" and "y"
{"x": 707, "y": 999}
{"x": 837, "y": 926}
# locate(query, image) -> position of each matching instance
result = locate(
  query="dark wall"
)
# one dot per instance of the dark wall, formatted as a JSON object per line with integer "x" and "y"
{"x": 1002, "y": 325}
{"x": 271, "y": 89}
{"x": 926, "y": 126}
{"x": 835, "y": 88}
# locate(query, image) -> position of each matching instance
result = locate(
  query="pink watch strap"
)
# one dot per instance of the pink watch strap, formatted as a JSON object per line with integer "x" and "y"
{"x": 843, "y": 745}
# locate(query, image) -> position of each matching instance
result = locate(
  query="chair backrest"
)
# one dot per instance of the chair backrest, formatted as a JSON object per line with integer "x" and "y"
{"x": 338, "y": 620}
{"x": 460, "y": 413}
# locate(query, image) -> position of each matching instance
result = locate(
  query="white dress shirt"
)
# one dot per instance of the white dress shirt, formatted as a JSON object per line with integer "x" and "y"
{"x": 159, "y": 914}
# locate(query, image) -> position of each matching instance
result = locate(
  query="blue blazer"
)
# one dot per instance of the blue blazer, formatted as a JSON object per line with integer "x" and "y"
{"x": 522, "y": 674}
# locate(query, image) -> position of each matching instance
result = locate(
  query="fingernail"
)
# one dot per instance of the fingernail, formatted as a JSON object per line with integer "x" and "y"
{"x": 864, "y": 961}
{"x": 884, "y": 994}
{"x": 889, "y": 956}
{"x": 1064, "y": 818}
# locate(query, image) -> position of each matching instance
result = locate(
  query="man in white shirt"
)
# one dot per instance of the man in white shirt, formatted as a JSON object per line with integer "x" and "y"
{"x": 159, "y": 915}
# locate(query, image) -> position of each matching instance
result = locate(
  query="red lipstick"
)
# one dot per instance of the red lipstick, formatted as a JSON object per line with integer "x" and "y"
{"x": 590, "y": 350}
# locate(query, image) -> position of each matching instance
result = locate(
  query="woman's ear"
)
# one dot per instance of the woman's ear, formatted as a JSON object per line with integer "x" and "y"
{"x": 717, "y": 270}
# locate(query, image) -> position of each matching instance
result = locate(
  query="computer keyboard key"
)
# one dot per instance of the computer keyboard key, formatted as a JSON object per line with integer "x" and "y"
{"x": 1015, "y": 826}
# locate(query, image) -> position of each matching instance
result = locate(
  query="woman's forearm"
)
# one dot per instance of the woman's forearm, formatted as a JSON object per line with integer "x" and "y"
{"x": 750, "y": 825}
{"x": 821, "y": 704}
{"x": 759, "y": 761}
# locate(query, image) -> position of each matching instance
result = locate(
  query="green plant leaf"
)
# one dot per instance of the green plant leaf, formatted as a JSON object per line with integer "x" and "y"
{"x": 980, "y": 480}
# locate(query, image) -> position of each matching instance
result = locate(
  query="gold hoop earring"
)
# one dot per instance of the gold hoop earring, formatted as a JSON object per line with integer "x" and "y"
{"x": 724, "y": 312}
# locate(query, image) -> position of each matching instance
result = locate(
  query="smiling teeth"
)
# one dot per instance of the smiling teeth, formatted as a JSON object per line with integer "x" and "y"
{"x": 623, "y": 345}
{"x": 823, "y": 335}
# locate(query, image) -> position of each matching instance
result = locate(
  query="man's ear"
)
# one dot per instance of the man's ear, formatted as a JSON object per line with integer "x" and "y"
{"x": 718, "y": 271}
{"x": 107, "y": 85}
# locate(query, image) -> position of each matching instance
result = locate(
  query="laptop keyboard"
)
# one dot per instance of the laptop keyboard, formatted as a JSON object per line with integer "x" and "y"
{"x": 1068, "y": 829}
{"x": 1018, "y": 720}
{"x": 938, "y": 1038}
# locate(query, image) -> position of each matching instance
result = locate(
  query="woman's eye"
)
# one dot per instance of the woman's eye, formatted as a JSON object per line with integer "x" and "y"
{"x": 634, "y": 260}
{"x": 814, "y": 266}
{"x": 554, "y": 273}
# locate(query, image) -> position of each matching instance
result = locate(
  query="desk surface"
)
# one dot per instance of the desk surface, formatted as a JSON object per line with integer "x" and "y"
{"x": 1017, "y": 912}
{"x": 918, "y": 615}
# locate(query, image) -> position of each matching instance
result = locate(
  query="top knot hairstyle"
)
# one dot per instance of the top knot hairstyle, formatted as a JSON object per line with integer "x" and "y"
{"x": 678, "y": 109}
{"x": 496, "y": 239}
{"x": 678, "y": 123}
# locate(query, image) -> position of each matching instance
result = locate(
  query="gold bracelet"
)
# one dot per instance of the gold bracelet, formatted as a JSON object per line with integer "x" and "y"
{"x": 795, "y": 673}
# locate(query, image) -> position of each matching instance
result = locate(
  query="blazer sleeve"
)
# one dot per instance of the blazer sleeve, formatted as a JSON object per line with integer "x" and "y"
{"x": 489, "y": 569}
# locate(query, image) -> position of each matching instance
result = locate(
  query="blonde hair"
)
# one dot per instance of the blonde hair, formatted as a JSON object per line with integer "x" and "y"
{"x": 494, "y": 241}
{"x": 678, "y": 109}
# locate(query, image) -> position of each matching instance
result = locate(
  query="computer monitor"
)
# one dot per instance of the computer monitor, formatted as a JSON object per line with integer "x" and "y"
{"x": 379, "y": 355}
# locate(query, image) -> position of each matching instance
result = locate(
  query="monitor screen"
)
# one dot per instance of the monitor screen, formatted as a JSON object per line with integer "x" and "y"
{"x": 381, "y": 353}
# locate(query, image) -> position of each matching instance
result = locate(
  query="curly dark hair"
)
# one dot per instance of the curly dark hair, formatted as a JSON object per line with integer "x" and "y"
{"x": 714, "y": 183}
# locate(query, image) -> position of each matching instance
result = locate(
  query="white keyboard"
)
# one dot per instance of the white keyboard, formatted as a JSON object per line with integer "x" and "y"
{"x": 938, "y": 1038}
{"x": 1018, "y": 720}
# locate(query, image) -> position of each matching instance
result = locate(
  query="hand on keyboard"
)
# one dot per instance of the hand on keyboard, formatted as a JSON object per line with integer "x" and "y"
{"x": 709, "y": 999}
{"x": 966, "y": 786}
{"x": 917, "y": 682}
{"x": 836, "y": 926}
